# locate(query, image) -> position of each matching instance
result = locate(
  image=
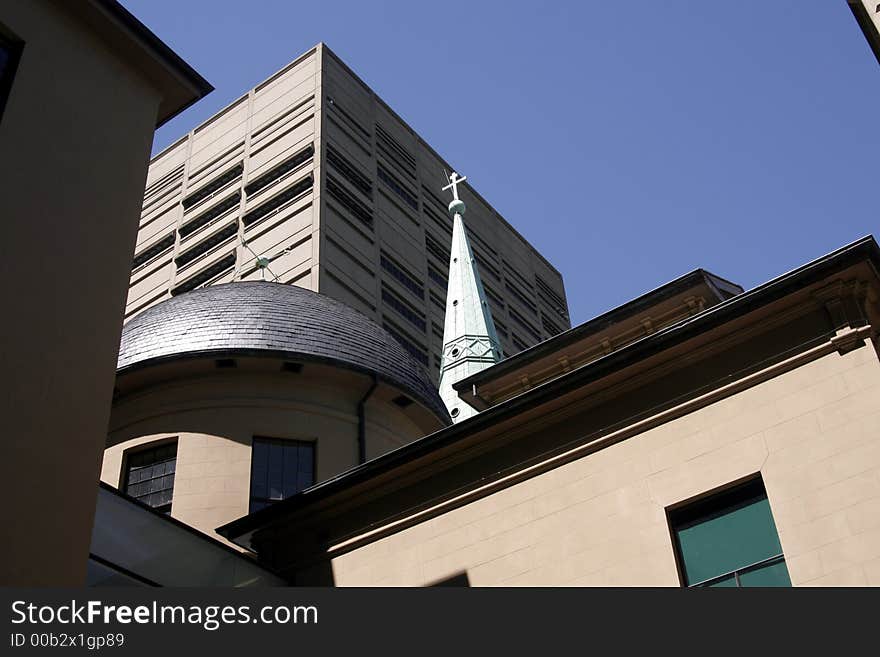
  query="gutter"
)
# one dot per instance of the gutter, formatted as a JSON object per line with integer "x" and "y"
{"x": 362, "y": 421}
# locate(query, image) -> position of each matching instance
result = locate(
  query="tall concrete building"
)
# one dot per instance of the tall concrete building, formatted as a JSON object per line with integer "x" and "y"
{"x": 317, "y": 174}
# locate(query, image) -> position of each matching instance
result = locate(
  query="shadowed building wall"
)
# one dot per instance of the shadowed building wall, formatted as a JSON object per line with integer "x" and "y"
{"x": 90, "y": 86}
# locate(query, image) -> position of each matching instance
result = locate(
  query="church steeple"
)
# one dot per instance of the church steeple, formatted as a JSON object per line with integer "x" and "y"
{"x": 470, "y": 343}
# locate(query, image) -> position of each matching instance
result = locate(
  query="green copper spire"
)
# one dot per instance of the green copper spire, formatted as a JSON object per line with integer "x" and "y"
{"x": 470, "y": 343}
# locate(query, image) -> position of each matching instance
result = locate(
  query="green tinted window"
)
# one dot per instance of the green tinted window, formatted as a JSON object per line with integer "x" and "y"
{"x": 730, "y": 539}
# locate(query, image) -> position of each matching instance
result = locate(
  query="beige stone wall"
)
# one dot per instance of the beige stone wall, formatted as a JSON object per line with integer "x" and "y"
{"x": 216, "y": 416}
{"x": 212, "y": 479}
{"x": 258, "y": 131}
{"x": 812, "y": 433}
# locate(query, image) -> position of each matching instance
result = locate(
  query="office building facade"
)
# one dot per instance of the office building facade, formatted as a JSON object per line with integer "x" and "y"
{"x": 318, "y": 175}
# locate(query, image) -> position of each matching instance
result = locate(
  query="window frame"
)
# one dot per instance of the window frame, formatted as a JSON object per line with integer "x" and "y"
{"x": 126, "y": 470}
{"x": 286, "y": 441}
{"x": 704, "y": 506}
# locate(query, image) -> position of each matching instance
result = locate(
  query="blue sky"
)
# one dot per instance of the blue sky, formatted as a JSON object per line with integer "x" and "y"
{"x": 630, "y": 142}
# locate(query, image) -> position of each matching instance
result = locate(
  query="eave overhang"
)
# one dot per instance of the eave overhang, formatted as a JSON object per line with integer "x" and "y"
{"x": 529, "y": 361}
{"x": 177, "y": 82}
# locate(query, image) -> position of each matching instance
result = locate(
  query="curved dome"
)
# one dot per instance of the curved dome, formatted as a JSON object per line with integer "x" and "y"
{"x": 262, "y": 318}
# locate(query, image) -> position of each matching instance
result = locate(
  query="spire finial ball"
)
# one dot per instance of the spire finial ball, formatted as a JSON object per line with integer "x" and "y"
{"x": 456, "y": 206}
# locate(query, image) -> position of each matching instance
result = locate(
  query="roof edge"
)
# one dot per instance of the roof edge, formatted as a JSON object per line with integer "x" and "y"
{"x": 103, "y": 485}
{"x": 595, "y": 324}
{"x": 865, "y": 247}
{"x": 191, "y": 86}
{"x": 281, "y": 354}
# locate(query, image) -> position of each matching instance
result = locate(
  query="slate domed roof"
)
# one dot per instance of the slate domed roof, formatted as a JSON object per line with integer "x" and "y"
{"x": 262, "y": 318}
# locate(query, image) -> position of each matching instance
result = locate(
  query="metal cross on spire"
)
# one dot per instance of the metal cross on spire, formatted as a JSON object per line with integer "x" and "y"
{"x": 454, "y": 179}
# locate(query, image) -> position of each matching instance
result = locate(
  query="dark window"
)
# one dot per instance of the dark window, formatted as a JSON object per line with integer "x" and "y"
{"x": 436, "y": 249}
{"x": 279, "y": 469}
{"x": 207, "y": 245}
{"x": 402, "y": 276}
{"x": 403, "y": 309}
{"x": 493, "y": 296}
{"x": 551, "y": 298}
{"x": 511, "y": 272}
{"x": 520, "y": 296}
{"x": 395, "y": 152}
{"x": 519, "y": 319}
{"x": 519, "y": 344}
{"x": 440, "y": 205}
{"x": 349, "y": 202}
{"x": 486, "y": 266}
{"x": 415, "y": 350}
{"x": 300, "y": 187}
{"x": 437, "y": 277}
{"x": 208, "y": 216}
{"x": 483, "y": 244}
{"x": 148, "y": 254}
{"x": 10, "y": 54}
{"x": 437, "y": 218}
{"x": 149, "y": 475}
{"x": 549, "y": 326}
{"x": 392, "y": 183}
{"x": 349, "y": 171}
{"x": 348, "y": 117}
{"x": 402, "y": 400}
{"x": 279, "y": 170}
{"x": 438, "y": 302}
{"x": 729, "y": 539}
{"x": 217, "y": 183}
{"x": 214, "y": 271}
